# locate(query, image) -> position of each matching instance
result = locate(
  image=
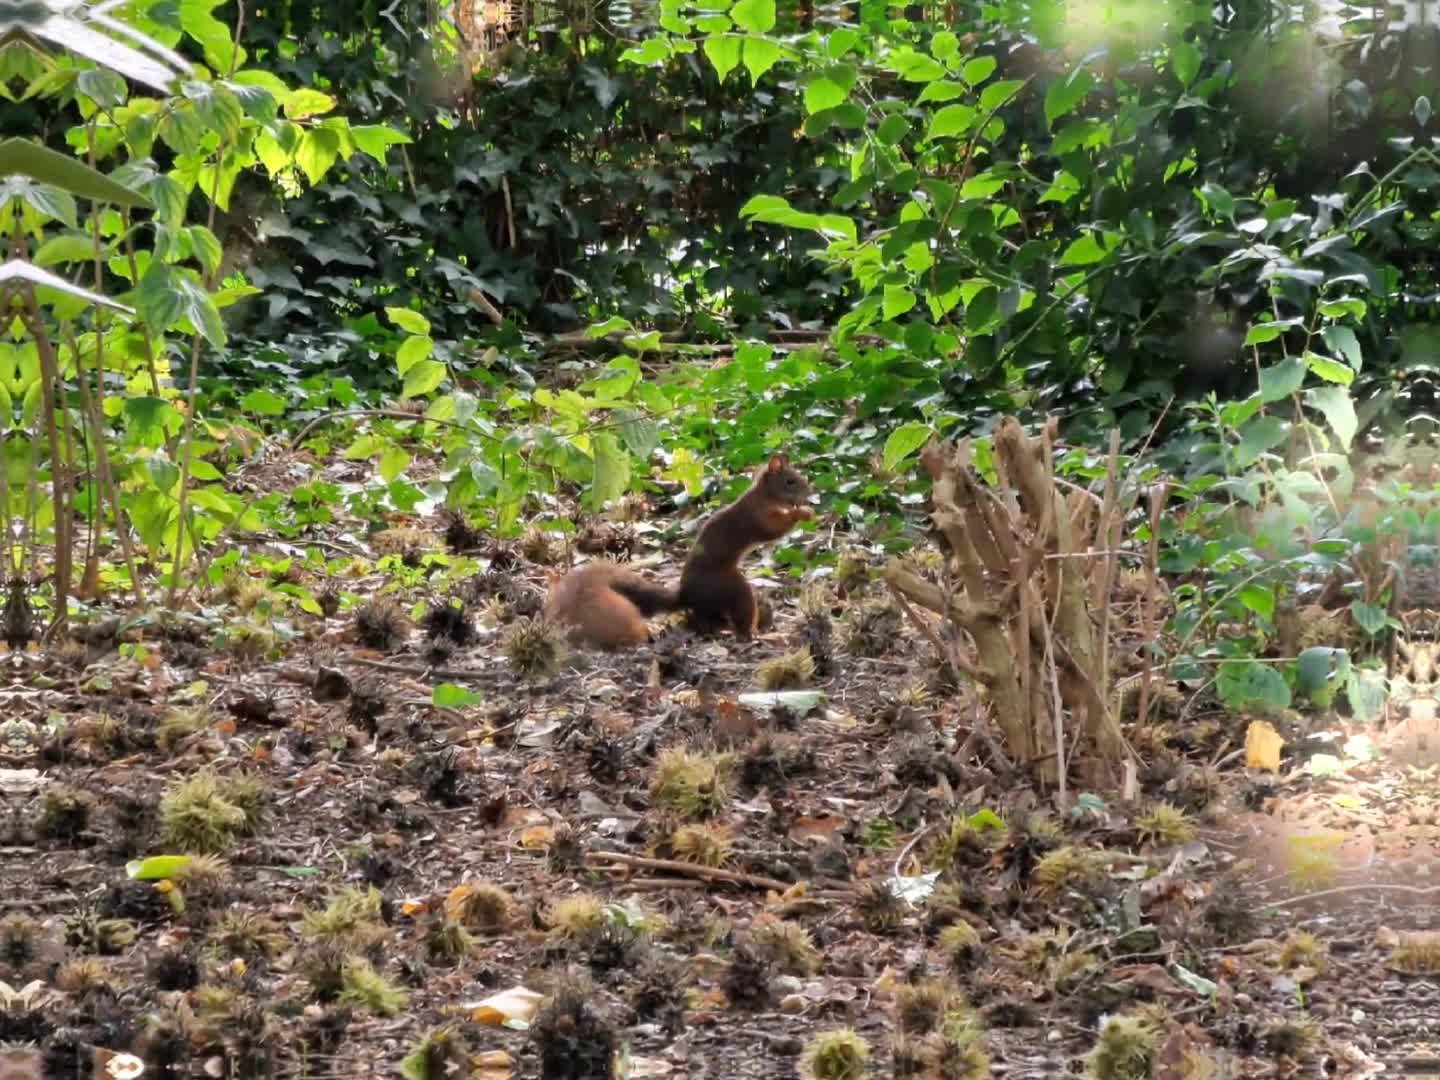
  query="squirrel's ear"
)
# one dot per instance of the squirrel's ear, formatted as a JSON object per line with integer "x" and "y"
{"x": 777, "y": 463}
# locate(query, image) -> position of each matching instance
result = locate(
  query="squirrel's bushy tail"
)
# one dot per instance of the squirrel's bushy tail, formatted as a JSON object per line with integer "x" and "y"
{"x": 647, "y": 596}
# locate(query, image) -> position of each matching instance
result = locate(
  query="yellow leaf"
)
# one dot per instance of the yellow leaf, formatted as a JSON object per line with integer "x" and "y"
{"x": 1262, "y": 746}
{"x": 517, "y": 1003}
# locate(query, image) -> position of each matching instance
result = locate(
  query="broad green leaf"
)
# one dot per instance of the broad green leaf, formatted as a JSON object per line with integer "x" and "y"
{"x": 945, "y": 45}
{"x": 423, "y": 377}
{"x": 375, "y": 139}
{"x": 612, "y": 470}
{"x": 1367, "y": 692}
{"x": 761, "y": 54}
{"x": 318, "y": 149}
{"x": 978, "y": 70}
{"x": 305, "y": 103}
{"x": 156, "y": 867}
{"x": 450, "y": 696}
{"x": 915, "y": 66}
{"x": 1083, "y": 251}
{"x": 65, "y": 248}
{"x": 1343, "y": 340}
{"x": 48, "y": 166}
{"x": 942, "y": 90}
{"x": 412, "y": 322}
{"x": 1260, "y": 599}
{"x": 897, "y": 301}
{"x": 1065, "y": 94}
{"x": 1259, "y": 436}
{"x": 1279, "y": 381}
{"x": 1336, "y": 405}
{"x": 1264, "y": 332}
{"x": 1247, "y": 684}
{"x": 951, "y": 121}
{"x": 1319, "y": 665}
{"x": 756, "y": 16}
{"x": 904, "y": 441}
{"x": 1185, "y": 60}
{"x": 1332, "y": 371}
{"x": 723, "y": 51}
{"x": 393, "y": 462}
{"x": 892, "y": 129}
{"x": 263, "y": 402}
{"x": 824, "y": 94}
{"x": 997, "y": 94}
{"x": 1372, "y": 618}
{"x": 648, "y": 53}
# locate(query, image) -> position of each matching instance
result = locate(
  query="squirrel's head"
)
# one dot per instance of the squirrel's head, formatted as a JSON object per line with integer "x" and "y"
{"x": 784, "y": 481}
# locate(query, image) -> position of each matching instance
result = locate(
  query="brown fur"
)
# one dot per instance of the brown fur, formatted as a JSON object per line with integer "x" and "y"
{"x": 605, "y": 605}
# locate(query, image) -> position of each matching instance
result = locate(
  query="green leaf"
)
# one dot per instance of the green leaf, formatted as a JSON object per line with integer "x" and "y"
{"x": 997, "y": 94}
{"x": 898, "y": 300}
{"x": 761, "y": 54}
{"x": 1083, "y": 251}
{"x": 1343, "y": 340}
{"x": 1371, "y": 618}
{"x": 65, "y": 248}
{"x": 217, "y": 107}
{"x": 649, "y": 53}
{"x": 1262, "y": 333}
{"x": 412, "y": 322}
{"x": 48, "y": 166}
{"x": 915, "y": 66}
{"x": 1366, "y": 690}
{"x": 757, "y": 16}
{"x": 1330, "y": 370}
{"x": 1317, "y": 667}
{"x": 1259, "y": 436}
{"x": 393, "y": 462}
{"x": 945, "y": 45}
{"x": 904, "y": 441}
{"x": 1185, "y": 60}
{"x": 1279, "y": 381}
{"x": 1065, "y": 94}
{"x": 423, "y": 377}
{"x": 824, "y": 94}
{"x": 892, "y": 129}
{"x": 306, "y": 103}
{"x": 978, "y": 70}
{"x": 1260, "y": 599}
{"x": 450, "y": 696}
{"x": 942, "y": 90}
{"x": 951, "y": 121}
{"x": 156, "y": 867}
{"x": 376, "y": 139}
{"x": 724, "y": 52}
{"x": 1336, "y": 405}
{"x": 263, "y": 402}
{"x": 318, "y": 150}
{"x": 1248, "y": 684}
{"x": 612, "y": 470}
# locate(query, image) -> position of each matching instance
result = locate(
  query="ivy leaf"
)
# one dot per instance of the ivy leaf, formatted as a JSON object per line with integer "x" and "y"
{"x": 761, "y": 54}
{"x": 1335, "y": 404}
{"x": 903, "y": 442}
{"x": 1065, "y": 94}
{"x": 756, "y": 16}
{"x": 423, "y": 377}
{"x": 724, "y": 52}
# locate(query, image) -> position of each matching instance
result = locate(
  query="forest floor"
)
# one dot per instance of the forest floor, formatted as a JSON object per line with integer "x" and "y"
{"x": 1282, "y": 924}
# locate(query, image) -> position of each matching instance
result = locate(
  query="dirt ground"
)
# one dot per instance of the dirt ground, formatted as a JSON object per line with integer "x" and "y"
{"x": 1282, "y": 927}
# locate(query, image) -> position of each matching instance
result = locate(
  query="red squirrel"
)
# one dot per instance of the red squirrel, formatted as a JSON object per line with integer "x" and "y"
{"x": 605, "y": 605}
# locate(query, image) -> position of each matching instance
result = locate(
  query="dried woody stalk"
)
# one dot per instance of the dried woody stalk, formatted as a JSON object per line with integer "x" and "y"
{"x": 1025, "y": 582}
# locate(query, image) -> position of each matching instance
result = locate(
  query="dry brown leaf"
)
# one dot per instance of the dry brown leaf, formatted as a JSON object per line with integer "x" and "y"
{"x": 1262, "y": 746}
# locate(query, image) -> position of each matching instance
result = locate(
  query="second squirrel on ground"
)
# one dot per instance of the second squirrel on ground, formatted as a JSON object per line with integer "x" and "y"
{"x": 605, "y": 605}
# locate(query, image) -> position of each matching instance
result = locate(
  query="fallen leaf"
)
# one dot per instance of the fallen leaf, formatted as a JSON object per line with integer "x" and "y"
{"x": 1262, "y": 746}
{"x": 514, "y": 1006}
